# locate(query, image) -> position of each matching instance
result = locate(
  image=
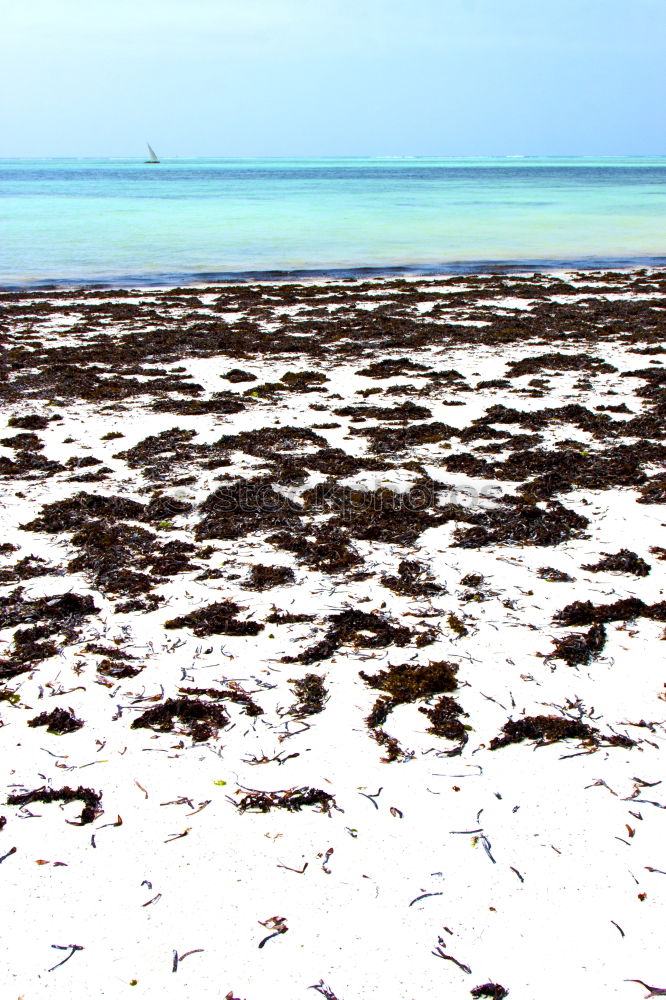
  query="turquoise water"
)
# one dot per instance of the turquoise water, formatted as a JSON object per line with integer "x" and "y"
{"x": 121, "y": 221}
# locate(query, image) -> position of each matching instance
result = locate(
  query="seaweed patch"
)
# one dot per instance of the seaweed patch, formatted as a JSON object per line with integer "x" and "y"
{"x": 580, "y": 649}
{"x": 201, "y": 719}
{"x": 59, "y": 721}
{"x": 216, "y": 619}
{"x": 91, "y": 800}
{"x": 544, "y": 729}
{"x": 292, "y": 800}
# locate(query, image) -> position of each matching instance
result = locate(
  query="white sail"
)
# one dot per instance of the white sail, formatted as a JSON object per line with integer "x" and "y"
{"x": 153, "y": 154}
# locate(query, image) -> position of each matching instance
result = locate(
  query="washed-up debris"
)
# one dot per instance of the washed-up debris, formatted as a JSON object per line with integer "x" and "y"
{"x": 264, "y": 577}
{"x": 58, "y": 722}
{"x": 58, "y": 610}
{"x": 625, "y": 609}
{"x": 491, "y": 990}
{"x": 445, "y": 721}
{"x": 233, "y": 692}
{"x": 216, "y": 619}
{"x": 326, "y": 548}
{"x": 201, "y": 720}
{"x": 311, "y": 693}
{"x": 553, "y": 575}
{"x": 246, "y": 506}
{"x": 521, "y": 523}
{"x": 277, "y": 617}
{"x": 544, "y": 729}
{"x": 413, "y": 579}
{"x": 90, "y": 798}
{"x": 293, "y": 800}
{"x": 364, "y": 629}
{"x": 623, "y": 561}
{"x": 580, "y": 649}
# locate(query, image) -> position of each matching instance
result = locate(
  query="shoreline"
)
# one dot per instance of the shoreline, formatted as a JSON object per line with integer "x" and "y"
{"x": 414, "y": 272}
{"x": 311, "y": 561}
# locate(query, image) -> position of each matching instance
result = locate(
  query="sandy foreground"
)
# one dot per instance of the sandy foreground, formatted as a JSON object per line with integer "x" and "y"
{"x": 332, "y": 623}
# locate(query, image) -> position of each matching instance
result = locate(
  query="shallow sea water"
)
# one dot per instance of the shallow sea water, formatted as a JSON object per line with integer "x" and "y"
{"x": 123, "y": 221}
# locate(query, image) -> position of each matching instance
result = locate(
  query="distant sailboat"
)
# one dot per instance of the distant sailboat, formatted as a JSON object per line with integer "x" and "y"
{"x": 152, "y": 154}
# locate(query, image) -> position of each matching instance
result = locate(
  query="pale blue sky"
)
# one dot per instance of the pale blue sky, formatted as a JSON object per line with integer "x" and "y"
{"x": 333, "y": 77}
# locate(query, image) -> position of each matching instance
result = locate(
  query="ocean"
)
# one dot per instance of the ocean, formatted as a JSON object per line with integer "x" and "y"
{"x": 73, "y": 222}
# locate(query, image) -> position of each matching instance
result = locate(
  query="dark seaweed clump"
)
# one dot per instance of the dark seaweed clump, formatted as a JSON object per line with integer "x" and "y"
{"x": 27, "y": 651}
{"x": 521, "y": 523}
{"x": 60, "y": 610}
{"x": 580, "y": 649}
{"x": 405, "y": 411}
{"x": 26, "y": 569}
{"x": 115, "y": 662}
{"x": 407, "y": 683}
{"x": 293, "y": 800}
{"x": 392, "y": 367}
{"x": 31, "y": 422}
{"x": 413, "y": 579}
{"x": 201, "y": 719}
{"x": 558, "y": 363}
{"x": 394, "y": 752}
{"x": 264, "y": 577}
{"x": 265, "y": 442}
{"x": 545, "y": 729}
{"x": 404, "y": 684}
{"x": 91, "y": 799}
{"x": 244, "y": 507}
{"x": 352, "y": 627}
{"x": 78, "y": 510}
{"x": 238, "y": 375}
{"x": 553, "y": 575}
{"x": 445, "y": 721}
{"x": 383, "y": 515}
{"x": 221, "y": 402}
{"x": 587, "y": 613}
{"x": 234, "y": 693}
{"x": 59, "y": 721}
{"x": 385, "y": 440}
{"x": 654, "y": 490}
{"x": 118, "y": 669}
{"x": 278, "y": 617}
{"x": 326, "y": 548}
{"x": 26, "y": 442}
{"x": 107, "y": 552}
{"x": 29, "y": 465}
{"x": 623, "y": 561}
{"x": 491, "y": 990}
{"x": 216, "y": 619}
{"x": 311, "y": 694}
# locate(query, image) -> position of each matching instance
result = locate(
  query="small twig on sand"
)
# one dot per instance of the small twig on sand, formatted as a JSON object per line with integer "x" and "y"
{"x": 425, "y": 895}
{"x": 325, "y": 991}
{"x": 372, "y": 797}
{"x": 64, "y": 947}
{"x": 655, "y": 991}
{"x": 440, "y": 953}
{"x": 192, "y": 951}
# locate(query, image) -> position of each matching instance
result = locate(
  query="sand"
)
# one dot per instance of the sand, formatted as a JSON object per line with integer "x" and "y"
{"x": 390, "y": 861}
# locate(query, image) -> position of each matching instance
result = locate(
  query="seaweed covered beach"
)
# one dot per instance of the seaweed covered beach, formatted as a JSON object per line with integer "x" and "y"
{"x": 348, "y": 599}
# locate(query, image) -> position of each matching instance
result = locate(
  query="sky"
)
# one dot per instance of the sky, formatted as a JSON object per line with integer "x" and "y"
{"x": 333, "y": 77}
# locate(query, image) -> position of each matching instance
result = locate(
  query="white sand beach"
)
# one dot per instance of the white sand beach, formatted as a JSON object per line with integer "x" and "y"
{"x": 426, "y": 474}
